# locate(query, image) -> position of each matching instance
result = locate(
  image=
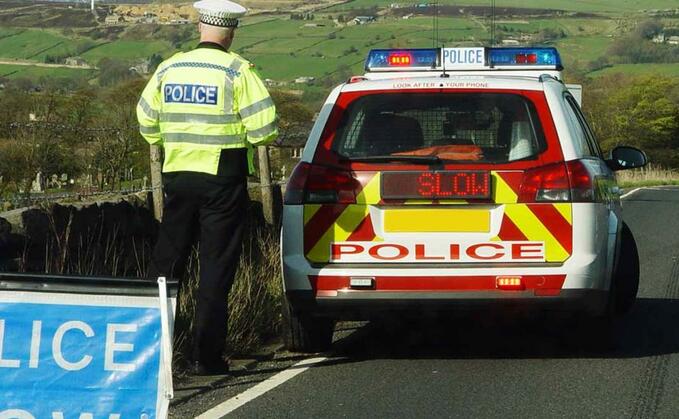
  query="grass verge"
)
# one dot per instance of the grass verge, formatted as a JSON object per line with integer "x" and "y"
{"x": 648, "y": 176}
{"x": 254, "y": 301}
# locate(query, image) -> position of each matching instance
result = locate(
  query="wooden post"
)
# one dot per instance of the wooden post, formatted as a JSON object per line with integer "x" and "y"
{"x": 157, "y": 181}
{"x": 265, "y": 184}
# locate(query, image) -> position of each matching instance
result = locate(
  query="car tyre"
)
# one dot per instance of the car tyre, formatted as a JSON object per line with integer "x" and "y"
{"x": 625, "y": 283}
{"x": 306, "y": 333}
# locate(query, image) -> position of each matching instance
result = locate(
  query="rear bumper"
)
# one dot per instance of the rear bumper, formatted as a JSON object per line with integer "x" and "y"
{"x": 357, "y": 305}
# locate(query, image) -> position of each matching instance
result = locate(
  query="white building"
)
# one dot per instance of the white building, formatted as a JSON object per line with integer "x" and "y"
{"x": 305, "y": 80}
{"x": 363, "y": 20}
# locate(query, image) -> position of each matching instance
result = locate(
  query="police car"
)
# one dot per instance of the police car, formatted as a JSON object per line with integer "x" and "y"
{"x": 452, "y": 179}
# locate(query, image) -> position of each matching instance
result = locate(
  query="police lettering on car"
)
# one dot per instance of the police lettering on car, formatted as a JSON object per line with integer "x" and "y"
{"x": 450, "y": 178}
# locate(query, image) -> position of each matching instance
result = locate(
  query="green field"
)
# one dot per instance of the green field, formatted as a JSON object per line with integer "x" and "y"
{"x": 35, "y": 44}
{"x": 671, "y": 70}
{"x": 592, "y": 6}
{"x": 583, "y": 49}
{"x": 127, "y": 50}
{"x": 33, "y": 72}
{"x": 284, "y": 49}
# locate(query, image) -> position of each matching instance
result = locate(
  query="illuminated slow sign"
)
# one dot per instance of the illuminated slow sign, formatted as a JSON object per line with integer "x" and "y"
{"x": 436, "y": 185}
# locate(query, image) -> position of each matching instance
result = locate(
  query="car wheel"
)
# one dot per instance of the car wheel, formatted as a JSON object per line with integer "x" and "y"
{"x": 625, "y": 283}
{"x": 306, "y": 333}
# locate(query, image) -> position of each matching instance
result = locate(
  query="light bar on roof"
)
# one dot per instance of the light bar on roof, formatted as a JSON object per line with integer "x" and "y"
{"x": 403, "y": 59}
{"x": 525, "y": 57}
{"x": 463, "y": 59}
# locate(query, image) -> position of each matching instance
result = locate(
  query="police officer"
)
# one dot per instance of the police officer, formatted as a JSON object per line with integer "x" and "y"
{"x": 207, "y": 108}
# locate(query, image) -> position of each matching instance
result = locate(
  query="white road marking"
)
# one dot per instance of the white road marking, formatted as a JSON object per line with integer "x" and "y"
{"x": 630, "y": 193}
{"x": 252, "y": 393}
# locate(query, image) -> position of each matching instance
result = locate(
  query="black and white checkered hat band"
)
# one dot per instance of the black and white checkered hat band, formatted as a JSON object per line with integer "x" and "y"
{"x": 225, "y": 22}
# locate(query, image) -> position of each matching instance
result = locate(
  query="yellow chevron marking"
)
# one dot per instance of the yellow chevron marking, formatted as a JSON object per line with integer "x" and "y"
{"x": 503, "y": 193}
{"x": 309, "y": 211}
{"x": 347, "y": 222}
{"x": 370, "y": 195}
{"x": 534, "y": 230}
{"x": 566, "y": 210}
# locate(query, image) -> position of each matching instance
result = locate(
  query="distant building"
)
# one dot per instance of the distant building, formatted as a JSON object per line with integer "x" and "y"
{"x": 408, "y": 16}
{"x": 673, "y": 40}
{"x": 113, "y": 19}
{"x": 659, "y": 38}
{"x": 274, "y": 83}
{"x": 363, "y": 20}
{"x": 510, "y": 42}
{"x": 305, "y": 80}
{"x": 76, "y": 62}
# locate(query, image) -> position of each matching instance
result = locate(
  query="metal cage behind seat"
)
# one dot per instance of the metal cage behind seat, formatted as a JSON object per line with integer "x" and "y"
{"x": 385, "y": 134}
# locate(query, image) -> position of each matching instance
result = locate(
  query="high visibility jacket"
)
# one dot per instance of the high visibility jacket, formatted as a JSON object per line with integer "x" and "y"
{"x": 202, "y": 102}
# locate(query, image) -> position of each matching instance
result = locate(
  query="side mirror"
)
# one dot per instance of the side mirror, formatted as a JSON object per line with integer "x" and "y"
{"x": 624, "y": 157}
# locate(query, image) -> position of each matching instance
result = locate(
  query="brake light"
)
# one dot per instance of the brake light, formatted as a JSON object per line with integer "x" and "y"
{"x": 560, "y": 182}
{"x": 583, "y": 186}
{"x": 546, "y": 183}
{"x": 320, "y": 185}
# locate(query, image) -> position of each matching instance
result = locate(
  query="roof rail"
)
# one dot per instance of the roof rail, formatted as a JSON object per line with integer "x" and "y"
{"x": 544, "y": 77}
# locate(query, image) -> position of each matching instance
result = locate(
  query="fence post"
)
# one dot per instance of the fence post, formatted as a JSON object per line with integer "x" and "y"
{"x": 265, "y": 184}
{"x": 157, "y": 181}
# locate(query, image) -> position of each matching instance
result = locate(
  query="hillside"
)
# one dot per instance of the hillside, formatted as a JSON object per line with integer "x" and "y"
{"x": 289, "y": 39}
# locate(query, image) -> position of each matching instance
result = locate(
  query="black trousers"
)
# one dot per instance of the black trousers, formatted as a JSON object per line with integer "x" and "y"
{"x": 213, "y": 209}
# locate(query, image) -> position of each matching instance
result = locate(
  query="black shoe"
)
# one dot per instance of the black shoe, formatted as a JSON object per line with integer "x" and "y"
{"x": 213, "y": 368}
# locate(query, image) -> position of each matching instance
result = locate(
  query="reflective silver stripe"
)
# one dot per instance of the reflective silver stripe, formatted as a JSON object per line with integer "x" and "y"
{"x": 149, "y": 130}
{"x": 236, "y": 65}
{"x": 197, "y": 118}
{"x": 228, "y": 95}
{"x": 150, "y": 112}
{"x": 176, "y": 137}
{"x": 256, "y": 107}
{"x": 264, "y": 131}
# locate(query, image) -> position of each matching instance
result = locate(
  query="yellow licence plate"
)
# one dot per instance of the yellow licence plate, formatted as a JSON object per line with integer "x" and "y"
{"x": 437, "y": 221}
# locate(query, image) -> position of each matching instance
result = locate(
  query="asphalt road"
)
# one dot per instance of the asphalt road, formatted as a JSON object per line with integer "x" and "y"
{"x": 477, "y": 368}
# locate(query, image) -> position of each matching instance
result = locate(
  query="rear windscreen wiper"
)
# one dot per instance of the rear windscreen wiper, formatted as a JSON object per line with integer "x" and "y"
{"x": 387, "y": 159}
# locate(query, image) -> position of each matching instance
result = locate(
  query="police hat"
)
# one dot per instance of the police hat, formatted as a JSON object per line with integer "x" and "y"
{"x": 220, "y": 13}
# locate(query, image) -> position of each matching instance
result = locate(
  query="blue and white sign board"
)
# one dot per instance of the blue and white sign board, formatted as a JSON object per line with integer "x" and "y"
{"x": 66, "y": 355}
{"x": 464, "y": 58}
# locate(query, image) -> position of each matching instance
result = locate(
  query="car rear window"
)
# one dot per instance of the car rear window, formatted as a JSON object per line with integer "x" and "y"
{"x": 484, "y": 127}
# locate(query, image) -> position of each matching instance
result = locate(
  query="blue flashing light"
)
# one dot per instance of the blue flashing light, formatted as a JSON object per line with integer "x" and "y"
{"x": 403, "y": 59}
{"x": 525, "y": 57}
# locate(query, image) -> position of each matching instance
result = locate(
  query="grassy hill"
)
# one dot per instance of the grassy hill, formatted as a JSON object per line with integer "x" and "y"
{"x": 284, "y": 49}
{"x": 590, "y": 6}
{"x": 33, "y": 72}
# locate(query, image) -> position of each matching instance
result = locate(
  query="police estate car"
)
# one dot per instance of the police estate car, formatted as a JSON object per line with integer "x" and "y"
{"x": 451, "y": 178}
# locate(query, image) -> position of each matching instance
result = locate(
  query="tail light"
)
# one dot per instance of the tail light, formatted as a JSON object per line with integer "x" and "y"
{"x": 560, "y": 182}
{"x": 312, "y": 184}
